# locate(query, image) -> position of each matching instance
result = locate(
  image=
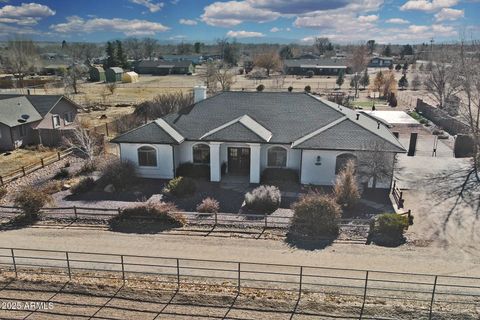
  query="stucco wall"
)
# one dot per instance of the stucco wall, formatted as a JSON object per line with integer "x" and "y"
{"x": 60, "y": 109}
{"x": 164, "y": 168}
{"x": 5, "y": 138}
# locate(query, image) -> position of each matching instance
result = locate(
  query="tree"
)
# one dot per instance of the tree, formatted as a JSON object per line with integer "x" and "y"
{"x": 163, "y": 104}
{"x": 345, "y": 189}
{"x": 120, "y": 55}
{"x": 405, "y": 67}
{"x": 379, "y": 82}
{"x": 374, "y": 164}
{"x": 111, "y": 87}
{"x": 358, "y": 62}
{"x": 260, "y": 87}
{"x": 340, "y": 79}
{"x": 184, "y": 48}
{"x": 230, "y": 52}
{"x": 398, "y": 67}
{"x": 387, "y": 51}
{"x": 286, "y": 53}
{"x": 72, "y": 76}
{"x": 389, "y": 85}
{"x": 270, "y": 61}
{"x": 85, "y": 141}
{"x": 21, "y": 57}
{"x": 371, "y": 46}
{"x": 225, "y": 77}
{"x": 149, "y": 47}
{"x": 322, "y": 45}
{"x": 355, "y": 82}
{"x": 111, "y": 56}
{"x": 133, "y": 48}
{"x": 403, "y": 82}
{"x": 197, "y": 46}
{"x": 365, "y": 80}
{"x": 407, "y": 50}
{"x": 416, "y": 82}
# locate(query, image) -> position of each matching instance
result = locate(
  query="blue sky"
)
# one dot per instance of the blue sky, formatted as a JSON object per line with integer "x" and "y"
{"x": 344, "y": 21}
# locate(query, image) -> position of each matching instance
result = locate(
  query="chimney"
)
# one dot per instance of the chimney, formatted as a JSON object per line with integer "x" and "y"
{"x": 199, "y": 93}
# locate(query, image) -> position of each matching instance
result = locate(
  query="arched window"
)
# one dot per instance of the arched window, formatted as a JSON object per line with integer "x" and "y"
{"x": 201, "y": 154}
{"x": 277, "y": 157}
{"x": 342, "y": 160}
{"x": 147, "y": 157}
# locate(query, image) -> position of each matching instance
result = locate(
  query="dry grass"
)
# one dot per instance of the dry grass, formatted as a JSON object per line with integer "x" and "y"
{"x": 22, "y": 157}
{"x": 93, "y": 118}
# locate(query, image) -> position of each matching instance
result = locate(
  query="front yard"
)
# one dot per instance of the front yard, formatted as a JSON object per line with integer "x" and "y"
{"x": 14, "y": 160}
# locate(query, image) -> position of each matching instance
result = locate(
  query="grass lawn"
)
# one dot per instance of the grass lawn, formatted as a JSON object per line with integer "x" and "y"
{"x": 368, "y": 104}
{"x": 112, "y": 113}
{"x": 22, "y": 157}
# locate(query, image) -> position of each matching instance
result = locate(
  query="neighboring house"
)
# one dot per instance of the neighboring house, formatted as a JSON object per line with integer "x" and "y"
{"x": 114, "y": 74}
{"x": 380, "y": 62}
{"x": 317, "y": 66}
{"x": 194, "y": 58}
{"x": 247, "y": 132}
{"x": 161, "y": 67}
{"x": 34, "y": 119}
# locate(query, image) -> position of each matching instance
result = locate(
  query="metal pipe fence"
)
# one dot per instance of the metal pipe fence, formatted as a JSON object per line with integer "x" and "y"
{"x": 430, "y": 294}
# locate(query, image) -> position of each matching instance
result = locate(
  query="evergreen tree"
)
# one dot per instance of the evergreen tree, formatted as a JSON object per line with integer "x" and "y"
{"x": 403, "y": 82}
{"x": 340, "y": 79}
{"x": 365, "y": 80}
{"x": 197, "y": 47}
{"x": 405, "y": 67}
{"x": 111, "y": 57}
{"x": 120, "y": 56}
{"x": 398, "y": 67}
{"x": 387, "y": 52}
{"x": 286, "y": 53}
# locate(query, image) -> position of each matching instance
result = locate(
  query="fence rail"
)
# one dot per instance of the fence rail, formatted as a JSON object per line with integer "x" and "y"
{"x": 24, "y": 170}
{"x": 397, "y": 195}
{"x": 431, "y": 294}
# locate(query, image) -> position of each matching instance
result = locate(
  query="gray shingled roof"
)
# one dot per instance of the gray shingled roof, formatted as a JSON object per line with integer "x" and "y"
{"x": 42, "y": 103}
{"x": 288, "y": 116}
{"x": 290, "y": 63}
{"x": 15, "y": 111}
{"x": 148, "y": 133}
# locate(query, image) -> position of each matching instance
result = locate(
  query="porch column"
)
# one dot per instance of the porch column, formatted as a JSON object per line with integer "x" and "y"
{"x": 215, "y": 173}
{"x": 254, "y": 162}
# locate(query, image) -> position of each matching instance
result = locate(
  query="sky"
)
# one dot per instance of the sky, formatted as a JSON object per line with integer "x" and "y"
{"x": 283, "y": 21}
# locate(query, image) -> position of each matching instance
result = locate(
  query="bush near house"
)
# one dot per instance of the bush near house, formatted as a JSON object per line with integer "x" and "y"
{"x": 31, "y": 200}
{"x": 387, "y": 229}
{"x": 87, "y": 168}
{"x": 181, "y": 186}
{"x": 3, "y": 192}
{"x": 346, "y": 190}
{"x": 316, "y": 215}
{"x": 264, "y": 199}
{"x": 120, "y": 174}
{"x": 148, "y": 218}
{"x": 208, "y": 205}
{"x": 83, "y": 186}
{"x": 62, "y": 174}
{"x": 191, "y": 170}
{"x": 52, "y": 187}
{"x": 278, "y": 176}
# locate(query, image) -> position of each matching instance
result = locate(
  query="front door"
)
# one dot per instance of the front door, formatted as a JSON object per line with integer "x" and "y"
{"x": 239, "y": 161}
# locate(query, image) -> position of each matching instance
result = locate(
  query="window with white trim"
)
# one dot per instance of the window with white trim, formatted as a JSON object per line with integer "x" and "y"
{"x": 56, "y": 120}
{"x": 68, "y": 118}
{"x": 277, "y": 157}
{"x": 147, "y": 157}
{"x": 201, "y": 154}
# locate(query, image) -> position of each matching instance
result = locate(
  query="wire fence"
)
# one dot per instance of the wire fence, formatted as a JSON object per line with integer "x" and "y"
{"x": 427, "y": 295}
{"x": 27, "y": 169}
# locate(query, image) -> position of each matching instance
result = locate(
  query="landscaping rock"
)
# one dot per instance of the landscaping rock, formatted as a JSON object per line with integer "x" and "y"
{"x": 109, "y": 188}
{"x": 66, "y": 186}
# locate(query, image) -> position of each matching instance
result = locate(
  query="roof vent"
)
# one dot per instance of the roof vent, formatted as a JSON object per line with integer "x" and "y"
{"x": 358, "y": 116}
{"x": 378, "y": 124}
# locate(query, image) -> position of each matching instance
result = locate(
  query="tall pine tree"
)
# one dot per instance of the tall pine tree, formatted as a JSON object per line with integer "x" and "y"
{"x": 111, "y": 56}
{"x": 121, "y": 57}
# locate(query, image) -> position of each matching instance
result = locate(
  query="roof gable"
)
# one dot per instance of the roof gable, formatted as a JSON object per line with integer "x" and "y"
{"x": 16, "y": 111}
{"x": 248, "y": 123}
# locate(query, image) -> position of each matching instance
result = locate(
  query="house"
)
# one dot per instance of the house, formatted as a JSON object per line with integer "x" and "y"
{"x": 317, "y": 66}
{"x": 248, "y": 132}
{"x": 97, "y": 74}
{"x": 35, "y": 119}
{"x": 380, "y": 62}
{"x": 194, "y": 58}
{"x": 161, "y": 67}
{"x": 114, "y": 74}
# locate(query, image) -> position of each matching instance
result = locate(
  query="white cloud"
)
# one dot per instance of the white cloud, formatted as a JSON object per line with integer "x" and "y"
{"x": 429, "y": 6}
{"x": 449, "y": 14}
{"x": 275, "y": 29}
{"x": 149, "y": 4}
{"x": 232, "y": 13}
{"x": 25, "y": 14}
{"x": 244, "y": 34}
{"x": 397, "y": 21}
{"x": 370, "y": 18}
{"x": 133, "y": 27}
{"x": 188, "y": 22}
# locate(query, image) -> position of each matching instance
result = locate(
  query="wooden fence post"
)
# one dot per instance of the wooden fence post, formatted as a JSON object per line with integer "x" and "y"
{"x": 23, "y": 170}
{"x": 68, "y": 265}
{"x": 266, "y": 223}
{"x": 394, "y": 186}
{"x": 75, "y": 212}
{"x": 178, "y": 274}
{"x": 364, "y": 296}
{"x": 433, "y": 297}
{"x": 41, "y": 160}
{"x": 239, "y": 277}
{"x": 1, "y": 181}
{"x": 216, "y": 218}
{"x": 106, "y": 128}
{"x": 123, "y": 269}
{"x": 300, "y": 282}
{"x": 14, "y": 263}
{"x": 58, "y": 155}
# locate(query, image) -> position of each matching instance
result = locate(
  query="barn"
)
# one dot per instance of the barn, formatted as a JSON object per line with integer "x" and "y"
{"x": 97, "y": 74}
{"x": 114, "y": 74}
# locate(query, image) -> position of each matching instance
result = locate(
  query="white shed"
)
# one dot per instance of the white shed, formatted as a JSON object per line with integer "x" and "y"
{"x": 130, "y": 77}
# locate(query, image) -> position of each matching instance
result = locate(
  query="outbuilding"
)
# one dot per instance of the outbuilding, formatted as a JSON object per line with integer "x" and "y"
{"x": 130, "y": 77}
{"x": 114, "y": 74}
{"x": 97, "y": 74}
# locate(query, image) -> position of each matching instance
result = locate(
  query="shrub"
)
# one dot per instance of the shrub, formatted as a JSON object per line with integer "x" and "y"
{"x": 263, "y": 198}
{"x": 260, "y": 87}
{"x": 148, "y": 217}
{"x": 83, "y": 185}
{"x": 120, "y": 174}
{"x": 52, "y": 187}
{"x": 316, "y": 215}
{"x": 208, "y": 205}
{"x": 87, "y": 168}
{"x": 278, "y": 176}
{"x": 62, "y": 174}
{"x": 388, "y": 228}
{"x": 181, "y": 186}
{"x": 346, "y": 189}
{"x": 191, "y": 170}
{"x": 3, "y": 192}
{"x": 308, "y": 89}
{"x": 290, "y": 89}
{"x": 31, "y": 200}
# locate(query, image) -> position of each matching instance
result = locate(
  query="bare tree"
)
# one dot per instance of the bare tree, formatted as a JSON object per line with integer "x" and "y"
{"x": 374, "y": 164}
{"x": 134, "y": 49}
{"x": 21, "y": 57}
{"x": 149, "y": 47}
{"x": 358, "y": 62}
{"x": 73, "y": 76}
{"x": 225, "y": 77}
{"x": 269, "y": 61}
{"x": 111, "y": 87}
{"x": 322, "y": 45}
{"x": 416, "y": 82}
{"x": 209, "y": 76}
{"x": 84, "y": 140}
{"x": 164, "y": 104}
{"x": 218, "y": 73}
